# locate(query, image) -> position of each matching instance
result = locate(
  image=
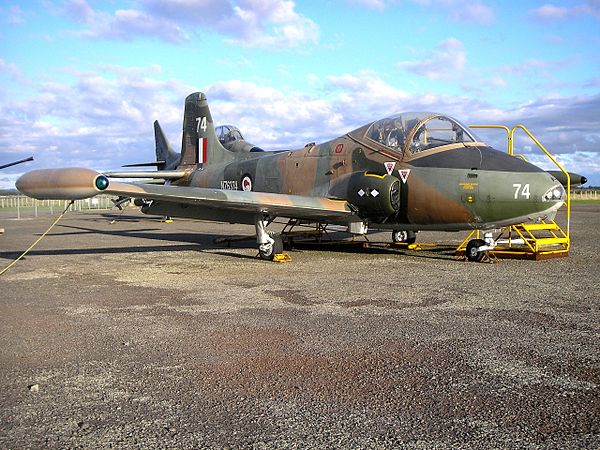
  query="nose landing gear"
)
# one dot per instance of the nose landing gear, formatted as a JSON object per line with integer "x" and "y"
{"x": 477, "y": 249}
{"x": 404, "y": 237}
{"x": 473, "y": 252}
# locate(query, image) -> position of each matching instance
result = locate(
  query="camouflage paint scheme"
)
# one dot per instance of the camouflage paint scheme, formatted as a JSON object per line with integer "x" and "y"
{"x": 355, "y": 178}
{"x": 464, "y": 187}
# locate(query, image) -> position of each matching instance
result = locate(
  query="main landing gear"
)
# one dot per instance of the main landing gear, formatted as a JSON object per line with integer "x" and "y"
{"x": 404, "y": 237}
{"x": 269, "y": 244}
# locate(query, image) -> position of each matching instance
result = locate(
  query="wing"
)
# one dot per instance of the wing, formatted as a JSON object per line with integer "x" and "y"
{"x": 78, "y": 183}
{"x": 274, "y": 205}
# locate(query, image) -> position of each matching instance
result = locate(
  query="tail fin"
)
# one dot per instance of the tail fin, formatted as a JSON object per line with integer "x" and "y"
{"x": 200, "y": 145}
{"x": 166, "y": 157}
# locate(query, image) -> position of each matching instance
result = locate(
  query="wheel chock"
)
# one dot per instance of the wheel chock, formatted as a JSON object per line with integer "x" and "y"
{"x": 282, "y": 258}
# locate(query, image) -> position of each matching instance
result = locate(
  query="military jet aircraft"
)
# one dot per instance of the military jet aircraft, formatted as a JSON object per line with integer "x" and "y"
{"x": 404, "y": 173}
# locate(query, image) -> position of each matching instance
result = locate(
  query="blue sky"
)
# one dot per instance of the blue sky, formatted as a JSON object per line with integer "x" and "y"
{"x": 82, "y": 81}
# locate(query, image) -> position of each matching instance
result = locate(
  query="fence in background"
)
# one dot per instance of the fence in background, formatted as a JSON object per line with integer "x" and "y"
{"x": 20, "y": 206}
{"x": 585, "y": 194}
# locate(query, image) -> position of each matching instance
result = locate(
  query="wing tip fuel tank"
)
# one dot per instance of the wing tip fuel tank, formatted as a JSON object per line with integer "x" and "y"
{"x": 73, "y": 183}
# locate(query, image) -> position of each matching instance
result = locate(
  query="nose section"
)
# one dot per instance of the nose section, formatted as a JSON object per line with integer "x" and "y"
{"x": 507, "y": 197}
{"x": 547, "y": 196}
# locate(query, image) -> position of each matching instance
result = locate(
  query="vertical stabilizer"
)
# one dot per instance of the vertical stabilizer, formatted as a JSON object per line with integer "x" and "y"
{"x": 200, "y": 145}
{"x": 166, "y": 157}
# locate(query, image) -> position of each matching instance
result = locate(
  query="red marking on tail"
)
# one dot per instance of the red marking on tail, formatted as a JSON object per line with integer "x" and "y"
{"x": 202, "y": 150}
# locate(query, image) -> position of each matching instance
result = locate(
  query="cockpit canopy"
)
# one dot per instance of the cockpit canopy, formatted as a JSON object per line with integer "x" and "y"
{"x": 228, "y": 133}
{"x": 418, "y": 131}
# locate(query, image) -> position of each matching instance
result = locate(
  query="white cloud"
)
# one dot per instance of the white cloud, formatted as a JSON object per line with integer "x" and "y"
{"x": 471, "y": 12}
{"x": 446, "y": 62}
{"x": 372, "y": 4}
{"x": 252, "y": 23}
{"x": 99, "y": 120}
{"x": 551, "y": 13}
{"x": 10, "y": 69}
{"x": 14, "y": 15}
{"x": 127, "y": 24}
{"x": 467, "y": 11}
{"x": 79, "y": 10}
{"x": 273, "y": 23}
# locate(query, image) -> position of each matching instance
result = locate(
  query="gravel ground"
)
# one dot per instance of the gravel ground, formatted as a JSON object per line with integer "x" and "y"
{"x": 143, "y": 334}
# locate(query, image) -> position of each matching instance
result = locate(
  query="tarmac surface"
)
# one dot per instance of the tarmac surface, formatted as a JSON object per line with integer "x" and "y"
{"x": 144, "y": 334}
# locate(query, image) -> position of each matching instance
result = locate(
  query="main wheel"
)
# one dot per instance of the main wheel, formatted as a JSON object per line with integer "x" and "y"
{"x": 276, "y": 247}
{"x": 404, "y": 237}
{"x": 472, "y": 253}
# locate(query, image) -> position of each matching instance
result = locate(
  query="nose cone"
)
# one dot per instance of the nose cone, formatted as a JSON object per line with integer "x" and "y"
{"x": 540, "y": 192}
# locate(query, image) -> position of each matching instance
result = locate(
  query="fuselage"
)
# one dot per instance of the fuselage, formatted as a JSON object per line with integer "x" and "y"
{"x": 443, "y": 176}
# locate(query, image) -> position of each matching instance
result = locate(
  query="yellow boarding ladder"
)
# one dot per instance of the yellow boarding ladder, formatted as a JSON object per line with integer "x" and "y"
{"x": 530, "y": 240}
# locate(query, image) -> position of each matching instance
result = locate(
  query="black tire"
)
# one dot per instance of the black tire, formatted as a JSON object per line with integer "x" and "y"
{"x": 276, "y": 248}
{"x": 472, "y": 253}
{"x": 404, "y": 237}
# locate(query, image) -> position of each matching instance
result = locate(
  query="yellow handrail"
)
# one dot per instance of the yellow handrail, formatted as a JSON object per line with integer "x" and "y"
{"x": 538, "y": 143}
{"x": 509, "y": 138}
{"x": 502, "y": 127}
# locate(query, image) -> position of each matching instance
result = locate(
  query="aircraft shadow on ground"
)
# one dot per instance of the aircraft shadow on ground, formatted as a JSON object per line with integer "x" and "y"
{"x": 198, "y": 241}
{"x": 186, "y": 241}
{"x": 100, "y": 250}
{"x": 374, "y": 248}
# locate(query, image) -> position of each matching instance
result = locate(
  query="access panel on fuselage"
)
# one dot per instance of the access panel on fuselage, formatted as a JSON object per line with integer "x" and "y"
{"x": 306, "y": 172}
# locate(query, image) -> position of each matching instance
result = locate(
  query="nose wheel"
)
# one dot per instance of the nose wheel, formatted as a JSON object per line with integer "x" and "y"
{"x": 404, "y": 237}
{"x": 474, "y": 251}
{"x": 477, "y": 249}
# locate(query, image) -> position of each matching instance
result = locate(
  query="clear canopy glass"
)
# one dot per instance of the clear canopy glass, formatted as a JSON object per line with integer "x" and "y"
{"x": 228, "y": 133}
{"x": 419, "y": 131}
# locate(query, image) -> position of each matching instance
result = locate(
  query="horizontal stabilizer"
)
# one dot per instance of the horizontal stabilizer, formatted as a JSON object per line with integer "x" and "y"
{"x": 164, "y": 174}
{"x": 148, "y": 164}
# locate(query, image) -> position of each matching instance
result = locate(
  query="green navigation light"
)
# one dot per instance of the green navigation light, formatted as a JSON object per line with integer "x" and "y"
{"x": 101, "y": 182}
